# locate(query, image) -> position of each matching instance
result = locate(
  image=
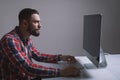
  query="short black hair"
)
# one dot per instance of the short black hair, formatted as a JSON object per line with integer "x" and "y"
{"x": 26, "y": 13}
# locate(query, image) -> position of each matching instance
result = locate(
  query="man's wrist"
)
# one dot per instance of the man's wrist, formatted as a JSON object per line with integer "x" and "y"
{"x": 58, "y": 72}
{"x": 59, "y": 57}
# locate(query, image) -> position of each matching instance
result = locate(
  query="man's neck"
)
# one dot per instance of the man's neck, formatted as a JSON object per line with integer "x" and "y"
{"x": 24, "y": 33}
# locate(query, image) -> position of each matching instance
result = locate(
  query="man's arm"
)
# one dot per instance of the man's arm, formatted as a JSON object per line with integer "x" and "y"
{"x": 44, "y": 57}
{"x": 12, "y": 49}
{"x": 69, "y": 71}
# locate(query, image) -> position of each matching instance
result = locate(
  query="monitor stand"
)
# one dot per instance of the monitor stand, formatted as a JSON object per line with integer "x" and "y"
{"x": 101, "y": 64}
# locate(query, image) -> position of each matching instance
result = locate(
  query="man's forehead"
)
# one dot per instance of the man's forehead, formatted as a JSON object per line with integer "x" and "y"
{"x": 35, "y": 17}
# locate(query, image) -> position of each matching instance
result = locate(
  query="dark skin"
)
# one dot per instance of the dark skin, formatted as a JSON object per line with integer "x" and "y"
{"x": 32, "y": 27}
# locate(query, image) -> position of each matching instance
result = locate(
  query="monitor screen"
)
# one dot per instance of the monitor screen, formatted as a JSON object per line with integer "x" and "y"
{"x": 92, "y": 37}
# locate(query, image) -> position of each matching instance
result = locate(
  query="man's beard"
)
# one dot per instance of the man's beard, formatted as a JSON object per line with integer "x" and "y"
{"x": 34, "y": 32}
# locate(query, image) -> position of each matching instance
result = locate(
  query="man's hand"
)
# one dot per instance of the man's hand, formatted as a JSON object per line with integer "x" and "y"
{"x": 68, "y": 58}
{"x": 70, "y": 72}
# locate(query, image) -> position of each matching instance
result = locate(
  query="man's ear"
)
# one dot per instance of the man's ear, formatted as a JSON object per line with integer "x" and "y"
{"x": 25, "y": 23}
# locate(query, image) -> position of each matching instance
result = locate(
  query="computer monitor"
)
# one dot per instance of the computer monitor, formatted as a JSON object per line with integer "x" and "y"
{"x": 92, "y": 40}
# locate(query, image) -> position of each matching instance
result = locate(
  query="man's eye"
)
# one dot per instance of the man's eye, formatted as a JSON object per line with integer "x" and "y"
{"x": 36, "y": 21}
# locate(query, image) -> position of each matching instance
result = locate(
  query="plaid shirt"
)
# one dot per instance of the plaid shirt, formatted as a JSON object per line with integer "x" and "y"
{"x": 15, "y": 59}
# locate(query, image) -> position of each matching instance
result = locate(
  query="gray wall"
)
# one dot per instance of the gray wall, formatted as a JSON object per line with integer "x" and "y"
{"x": 62, "y": 23}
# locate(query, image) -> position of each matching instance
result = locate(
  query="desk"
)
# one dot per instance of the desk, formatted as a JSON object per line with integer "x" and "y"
{"x": 111, "y": 72}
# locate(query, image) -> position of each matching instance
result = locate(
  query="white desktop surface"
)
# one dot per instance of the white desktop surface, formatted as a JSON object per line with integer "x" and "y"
{"x": 111, "y": 72}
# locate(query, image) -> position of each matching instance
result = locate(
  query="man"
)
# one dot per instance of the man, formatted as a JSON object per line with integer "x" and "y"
{"x": 17, "y": 50}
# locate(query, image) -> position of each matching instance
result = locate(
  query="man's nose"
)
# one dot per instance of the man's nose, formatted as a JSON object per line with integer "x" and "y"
{"x": 39, "y": 26}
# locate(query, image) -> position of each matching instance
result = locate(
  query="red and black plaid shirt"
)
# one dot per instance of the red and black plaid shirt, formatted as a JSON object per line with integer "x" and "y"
{"x": 15, "y": 59}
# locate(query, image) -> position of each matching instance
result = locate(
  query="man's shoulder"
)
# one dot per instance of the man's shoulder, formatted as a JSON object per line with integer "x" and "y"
{"x": 10, "y": 35}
